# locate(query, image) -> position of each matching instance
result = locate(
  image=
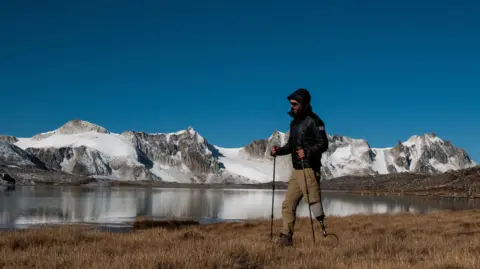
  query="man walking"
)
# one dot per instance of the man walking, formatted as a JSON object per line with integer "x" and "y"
{"x": 306, "y": 143}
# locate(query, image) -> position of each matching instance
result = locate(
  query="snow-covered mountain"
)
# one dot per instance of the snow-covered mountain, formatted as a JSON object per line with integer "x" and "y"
{"x": 348, "y": 156}
{"x": 84, "y": 148}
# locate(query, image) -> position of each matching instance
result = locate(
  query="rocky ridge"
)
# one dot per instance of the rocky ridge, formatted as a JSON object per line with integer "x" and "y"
{"x": 8, "y": 138}
{"x": 348, "y": 156}
{"x": 85, "y": 149}
{"x": 185, "y": 152}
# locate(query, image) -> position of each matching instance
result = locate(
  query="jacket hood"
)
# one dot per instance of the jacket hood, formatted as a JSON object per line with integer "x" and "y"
{"x": 302, "y": 96}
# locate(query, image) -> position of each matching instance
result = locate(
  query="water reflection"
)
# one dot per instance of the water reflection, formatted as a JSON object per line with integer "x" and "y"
{"x": 31, "y": 205}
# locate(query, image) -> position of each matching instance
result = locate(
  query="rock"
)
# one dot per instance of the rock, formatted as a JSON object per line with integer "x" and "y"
{"x": 11, "y": 155}
{"x": 186, "y": 148}
{"x": 85, "y": 161}
{"x": 8, "y": 138}
{"x": 6, "y": 179}
{"x": 80, "y": 160}
{"x": 258, "y": 148}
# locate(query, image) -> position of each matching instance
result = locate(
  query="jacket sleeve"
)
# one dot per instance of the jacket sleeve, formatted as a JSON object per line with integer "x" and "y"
{"x": 284, "y": 150}
{"x": 319, "y": 144}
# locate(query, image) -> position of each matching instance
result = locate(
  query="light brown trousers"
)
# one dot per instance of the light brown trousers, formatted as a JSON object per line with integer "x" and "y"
{"x": 295, "y": 192}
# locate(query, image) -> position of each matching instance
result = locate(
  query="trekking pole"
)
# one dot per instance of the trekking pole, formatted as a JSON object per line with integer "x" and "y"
{"x": 273, "y": 193}
{"x": 308, "y": 200}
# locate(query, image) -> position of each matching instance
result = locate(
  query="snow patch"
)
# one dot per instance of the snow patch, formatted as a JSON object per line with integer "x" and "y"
{"x": 381, "y": 161}
{"x": 180, "y": 174}
{"x": 237, "y": 163}
{"x": 112, "y": 145}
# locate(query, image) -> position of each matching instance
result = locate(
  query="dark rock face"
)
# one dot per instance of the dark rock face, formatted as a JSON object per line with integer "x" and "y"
{"x": 436, "y": 152}
{"x": 12, "y": 155}
{"x": 194, "y": 158}
{"x": 462, "y": 156}
{"x": 155, "y": 147}
{"x": 391, "y": 169}
{"x": 261, "y": 148}
{"x": 32, "y": 176}
{"x": 51, "y": 157}
{"x": 6, "y": 179}
{"x": 258, "y": 148}
{"x": 401, "y": 155}
{"x": 85, "y": 161}
{"x": 424, "y": 167}
{"x": 183, "y": 148}
{"x": 79, "y": 160}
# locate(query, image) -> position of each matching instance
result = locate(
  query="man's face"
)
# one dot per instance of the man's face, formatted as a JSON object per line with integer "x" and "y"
{"x": 295, "y": 106}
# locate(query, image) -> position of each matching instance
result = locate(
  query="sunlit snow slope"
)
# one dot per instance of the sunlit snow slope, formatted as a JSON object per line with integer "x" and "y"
{"x": 237, "y": 162}
{"x": 111, "y": 145}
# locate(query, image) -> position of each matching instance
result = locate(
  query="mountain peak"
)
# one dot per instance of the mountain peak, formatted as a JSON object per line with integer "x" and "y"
{"x": 191, "y": 130}
{"x": 8, "y": 138}
{"x": 80, "y": 126}
{"x": 275, "y": 133}
{"x": 75, "y": 126}
{"x": 278, "y": 136}
{"x": 426, "y": 138}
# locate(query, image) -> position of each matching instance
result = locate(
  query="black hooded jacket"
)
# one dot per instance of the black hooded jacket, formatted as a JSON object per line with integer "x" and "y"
{"x": 307, "y": 131}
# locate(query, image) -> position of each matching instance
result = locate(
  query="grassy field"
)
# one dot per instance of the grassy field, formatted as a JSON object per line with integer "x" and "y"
{"x": 446, "y": 240}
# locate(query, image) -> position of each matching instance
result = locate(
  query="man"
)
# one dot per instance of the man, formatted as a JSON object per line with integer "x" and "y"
{"x": 307, "y": 141}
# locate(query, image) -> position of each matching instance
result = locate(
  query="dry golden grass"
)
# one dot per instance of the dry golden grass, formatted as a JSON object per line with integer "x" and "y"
{"x": 446, "y": 240}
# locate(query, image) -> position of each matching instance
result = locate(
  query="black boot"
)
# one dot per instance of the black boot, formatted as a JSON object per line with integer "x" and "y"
{"x": 285, "y": 240}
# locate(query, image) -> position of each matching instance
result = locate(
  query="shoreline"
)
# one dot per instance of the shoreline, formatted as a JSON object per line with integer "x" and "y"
{"x": 279, "y": 186}
{"x": 283, "y": 187}
{"x": 452, "y": 184}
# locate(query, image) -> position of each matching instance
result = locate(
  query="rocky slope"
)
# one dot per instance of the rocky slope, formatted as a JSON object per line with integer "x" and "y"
{"x": 21, "y": 167}
{"x": 8, "y": 138}
{"x": 11, "y": 155}
{"x": 348, "y": 156}
{"x": 183, "y": 154}
{"x": 86, "y": 149}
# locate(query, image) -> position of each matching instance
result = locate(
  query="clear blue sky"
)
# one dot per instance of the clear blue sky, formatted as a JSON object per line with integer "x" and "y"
{"x": 379, "y": 70}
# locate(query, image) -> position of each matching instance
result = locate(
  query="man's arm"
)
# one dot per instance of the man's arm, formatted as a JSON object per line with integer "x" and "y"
{"x": 286, "y": 149}
{"x": 319, "y": 143}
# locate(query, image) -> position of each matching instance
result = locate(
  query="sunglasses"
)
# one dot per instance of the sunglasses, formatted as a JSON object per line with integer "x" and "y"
{"x": 293, "y": 103}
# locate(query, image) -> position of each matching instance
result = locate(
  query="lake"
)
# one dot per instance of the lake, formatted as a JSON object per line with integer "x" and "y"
{"x": 32, "y": 205}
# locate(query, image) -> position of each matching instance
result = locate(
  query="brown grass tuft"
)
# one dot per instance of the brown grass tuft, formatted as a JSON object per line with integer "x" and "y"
{"x": 444, "y": 240}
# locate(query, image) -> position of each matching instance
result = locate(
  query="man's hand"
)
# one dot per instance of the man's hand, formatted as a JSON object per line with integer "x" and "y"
{"x": 274, "y": 151}
{"x": 300, "y": 153}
